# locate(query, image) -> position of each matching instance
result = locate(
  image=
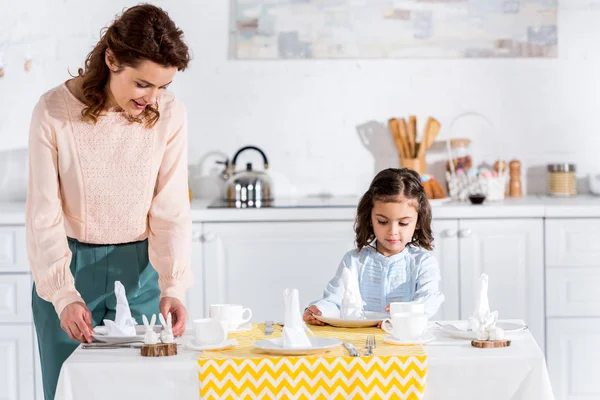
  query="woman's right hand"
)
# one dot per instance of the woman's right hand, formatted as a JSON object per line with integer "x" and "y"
{"x": 76, "y": 320}
{"x": 308, "y": 315}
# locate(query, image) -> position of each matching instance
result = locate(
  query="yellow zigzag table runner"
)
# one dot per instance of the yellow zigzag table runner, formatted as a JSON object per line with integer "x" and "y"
{"x": 243, "y": 372}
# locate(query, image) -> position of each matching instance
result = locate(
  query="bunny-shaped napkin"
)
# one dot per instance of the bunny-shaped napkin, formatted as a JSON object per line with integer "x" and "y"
{"x": 352, "y": 302}
{"x": 124, "y": 324}
{"x": 294, "y": 334}
{"x": 483, "y": 321}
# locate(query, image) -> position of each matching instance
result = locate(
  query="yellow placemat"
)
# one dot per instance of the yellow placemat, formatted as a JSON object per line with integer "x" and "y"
{"x": 243, "y": 372}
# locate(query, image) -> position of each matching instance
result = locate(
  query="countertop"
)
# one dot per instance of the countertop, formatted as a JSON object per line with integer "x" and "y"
{"x": 344, "y": 208}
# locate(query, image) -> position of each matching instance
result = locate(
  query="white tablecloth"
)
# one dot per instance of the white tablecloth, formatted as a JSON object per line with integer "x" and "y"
{"x": 456, "y": 371}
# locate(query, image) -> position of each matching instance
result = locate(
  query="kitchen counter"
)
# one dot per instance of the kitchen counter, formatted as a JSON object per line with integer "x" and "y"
{"x": 344, "y": 208}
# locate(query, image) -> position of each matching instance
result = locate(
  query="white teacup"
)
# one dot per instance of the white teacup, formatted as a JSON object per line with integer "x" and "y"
{"x": 232, "y": 314}
{"x": 209, "y": 332}
{"x": 406, "y": 307}
{"x": 405, "y": 326}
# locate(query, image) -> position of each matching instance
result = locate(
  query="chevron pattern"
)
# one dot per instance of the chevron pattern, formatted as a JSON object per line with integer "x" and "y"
{"x": 243, "y": 373}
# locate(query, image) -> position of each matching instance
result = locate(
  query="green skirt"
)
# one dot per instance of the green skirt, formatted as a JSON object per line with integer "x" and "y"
{"x": 95, "y": 269}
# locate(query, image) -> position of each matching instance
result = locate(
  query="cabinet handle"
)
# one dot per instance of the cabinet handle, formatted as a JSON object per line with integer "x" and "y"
{"x": 450, "y": 233}
{"x": 464, "y": 233}
{"x": 196, "y": 236}
{"x": 208, "y": 237}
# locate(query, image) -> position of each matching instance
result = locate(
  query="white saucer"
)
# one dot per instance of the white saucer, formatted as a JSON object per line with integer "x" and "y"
{"x": 318, "y": 345}
{"x": 192, "y": 345}
{"x": 241, "y": 328}
{"x": 372, "y": 319}
{"x": 426, "y": 338}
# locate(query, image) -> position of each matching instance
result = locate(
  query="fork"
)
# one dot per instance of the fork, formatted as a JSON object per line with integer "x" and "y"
{"x": 370, "y": 344}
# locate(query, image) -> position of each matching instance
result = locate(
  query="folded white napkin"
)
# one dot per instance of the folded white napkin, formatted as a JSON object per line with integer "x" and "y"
{"x": 483, "y": 321}
{"x": 124, "y": 324}
{"x": 294, "y": 334}
{"x": 352, "y": 306}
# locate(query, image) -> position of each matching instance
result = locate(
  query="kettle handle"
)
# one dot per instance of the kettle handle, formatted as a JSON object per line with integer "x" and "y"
{"x": 266, "y": 162}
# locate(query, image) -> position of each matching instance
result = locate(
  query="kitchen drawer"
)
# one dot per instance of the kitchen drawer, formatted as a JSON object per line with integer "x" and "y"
{"x": 13, "y": 253}
{"x": 573, "y": 242}
{"x": 15, "y": 298}
{"x": 573, "y": 292}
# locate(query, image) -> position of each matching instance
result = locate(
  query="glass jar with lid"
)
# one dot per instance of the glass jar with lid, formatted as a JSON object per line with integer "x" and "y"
{"x": 461, "y": 156}
{"x": 562, "y": 181}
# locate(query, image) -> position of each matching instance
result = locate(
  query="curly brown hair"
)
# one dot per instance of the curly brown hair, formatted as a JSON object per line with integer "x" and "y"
{"x": 143, "y": 32}
{"x": 387, "y": 186}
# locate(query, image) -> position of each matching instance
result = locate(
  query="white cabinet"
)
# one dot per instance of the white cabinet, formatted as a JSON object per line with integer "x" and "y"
{"x": 15, "y": 298}
{"x": 574, "y": 358}
{"x": 573, "y": 307}
{"x": 252, "y": 263}
{"x": 16, "y": 362}
{"x": 13, "y": 253}
{"x": 195, "y": 297}
{"x": 511, "y": 252}
{"x": 445, "y": 233}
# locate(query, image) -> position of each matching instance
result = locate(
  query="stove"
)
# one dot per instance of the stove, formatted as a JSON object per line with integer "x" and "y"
{"x": 299, "y": 202}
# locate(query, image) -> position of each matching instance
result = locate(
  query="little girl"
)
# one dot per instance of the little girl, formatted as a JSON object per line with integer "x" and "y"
{"x": 393, "y": 258}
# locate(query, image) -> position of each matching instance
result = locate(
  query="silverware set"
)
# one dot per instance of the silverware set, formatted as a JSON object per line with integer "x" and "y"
{"x": 269, "y": 327}
{"x": 370, "y": 345}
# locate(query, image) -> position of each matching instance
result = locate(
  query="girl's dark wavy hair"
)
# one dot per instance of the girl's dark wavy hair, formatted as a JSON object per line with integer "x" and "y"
{"x": 387, "y": 186}
{"x": 143, "y": 32}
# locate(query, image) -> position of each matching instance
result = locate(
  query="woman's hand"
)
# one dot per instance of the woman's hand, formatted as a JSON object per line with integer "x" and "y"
{"x": 178, "y": 313}
{"x": 76, "y": 320}
{"x": 308, "y": 315}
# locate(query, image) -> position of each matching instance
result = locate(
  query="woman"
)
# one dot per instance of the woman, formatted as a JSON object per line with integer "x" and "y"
{"x": 108, "y": 196}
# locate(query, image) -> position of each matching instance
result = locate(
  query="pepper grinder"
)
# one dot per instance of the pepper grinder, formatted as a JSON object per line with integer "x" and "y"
{"x": 515, "y": 189}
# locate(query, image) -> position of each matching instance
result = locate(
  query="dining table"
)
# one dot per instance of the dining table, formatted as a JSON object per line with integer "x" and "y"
{"x": 446, "y": 367}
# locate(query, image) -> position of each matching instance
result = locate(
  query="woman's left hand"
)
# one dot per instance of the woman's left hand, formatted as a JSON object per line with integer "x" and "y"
{"x": 178, "y": 313}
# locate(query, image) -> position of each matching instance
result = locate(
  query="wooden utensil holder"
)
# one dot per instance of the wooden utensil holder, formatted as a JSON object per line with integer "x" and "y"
{"x": 416, "y": 164}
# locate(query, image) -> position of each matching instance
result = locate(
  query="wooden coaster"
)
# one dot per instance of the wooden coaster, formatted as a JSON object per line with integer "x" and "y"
{"x": 159, "y": 350}
{"x": 490, "y": 344}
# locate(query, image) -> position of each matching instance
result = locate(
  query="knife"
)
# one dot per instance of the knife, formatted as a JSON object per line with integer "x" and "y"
{"x": 351, "y": 349}
{"x": 111, "y": 346}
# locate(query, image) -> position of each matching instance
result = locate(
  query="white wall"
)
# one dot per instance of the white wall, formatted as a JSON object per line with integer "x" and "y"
{"x": 306, "y": 114}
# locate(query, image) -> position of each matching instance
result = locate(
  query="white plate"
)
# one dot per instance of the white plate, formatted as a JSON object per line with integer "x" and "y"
{"x": 192, "y": 345}
{"x": 460, "y": 329}
{"x": 373, "y": 318}
{"x": 99, "y": 334}
{"x": 426, "y": 338}
{"x": 275, "y": 346}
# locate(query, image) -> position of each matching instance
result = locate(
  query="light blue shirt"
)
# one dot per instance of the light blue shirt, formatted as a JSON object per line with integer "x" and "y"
{"x": 411, "y": 275}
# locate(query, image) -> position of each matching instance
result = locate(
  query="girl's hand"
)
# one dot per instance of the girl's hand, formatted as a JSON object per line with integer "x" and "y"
{"x": 308, "y": 316}
{"x": 387, "y": 309}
